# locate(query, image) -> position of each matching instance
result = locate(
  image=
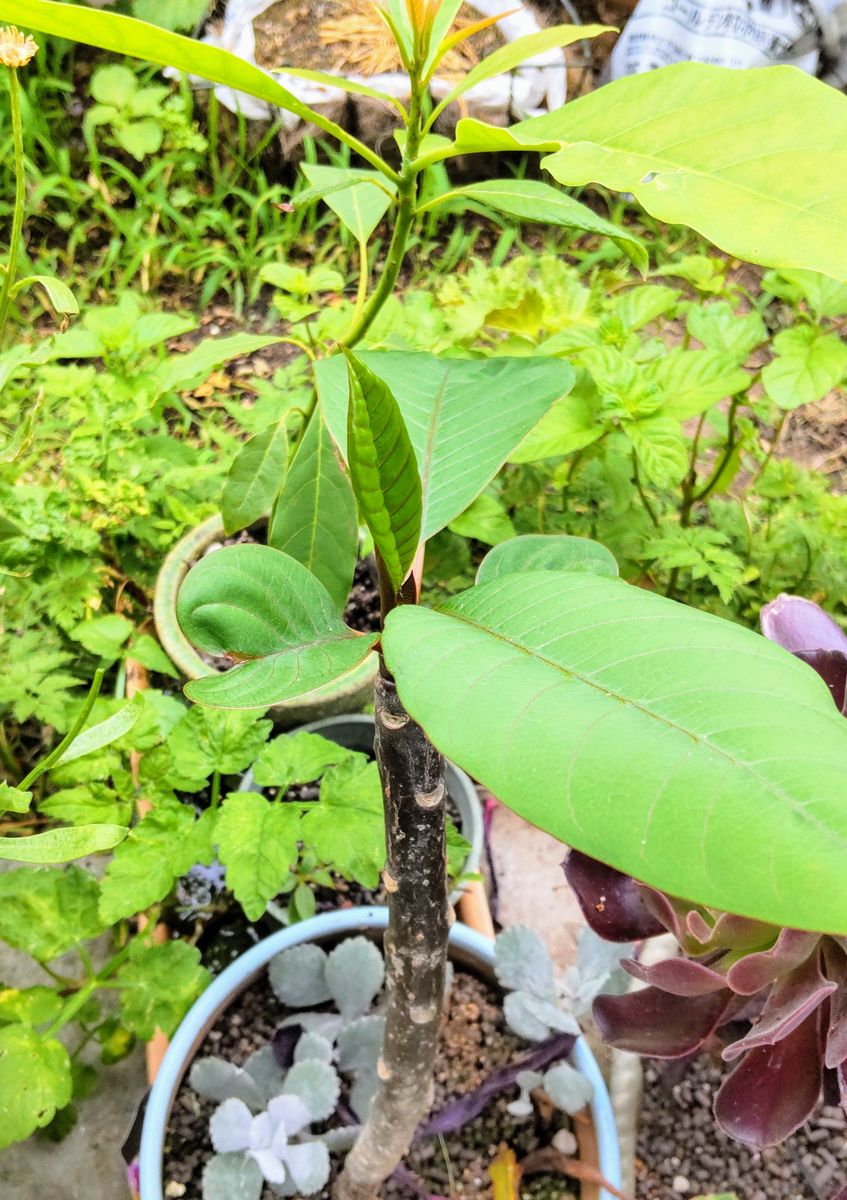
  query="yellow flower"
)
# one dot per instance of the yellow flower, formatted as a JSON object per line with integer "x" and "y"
{"x": 16, "y": 48}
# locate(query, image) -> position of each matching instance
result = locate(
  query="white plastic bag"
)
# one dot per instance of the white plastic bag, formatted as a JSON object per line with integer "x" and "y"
{"x": 809, "y": 34}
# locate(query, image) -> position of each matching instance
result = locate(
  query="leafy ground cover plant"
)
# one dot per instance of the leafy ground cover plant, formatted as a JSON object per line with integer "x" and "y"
{"x": 567, "y": 694}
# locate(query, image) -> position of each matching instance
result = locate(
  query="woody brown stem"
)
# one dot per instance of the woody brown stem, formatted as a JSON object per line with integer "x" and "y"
{"x": 412, "y": 773}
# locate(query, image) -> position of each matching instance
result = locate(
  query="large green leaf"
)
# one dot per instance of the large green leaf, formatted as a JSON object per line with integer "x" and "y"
{"x": 533, "y": 200}
{"x": 361, "y": 204}
{"x": 382, "y": 463}
{"x": 255, "y": 477}
{"x": 728, "y": 152}
{"x": 315, "y": 518}
{"x": 266, "y": 609}
{"x": 447, "y": 406}
{"x": 680, "y": 748}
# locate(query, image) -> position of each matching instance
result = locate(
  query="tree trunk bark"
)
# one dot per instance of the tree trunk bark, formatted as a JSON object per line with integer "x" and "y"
{"x": 412, "y": 773}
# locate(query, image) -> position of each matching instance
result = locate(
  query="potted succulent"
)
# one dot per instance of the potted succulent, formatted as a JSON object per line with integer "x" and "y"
{"x": 675, "y": 746}
{"x": 309, "y": 1010}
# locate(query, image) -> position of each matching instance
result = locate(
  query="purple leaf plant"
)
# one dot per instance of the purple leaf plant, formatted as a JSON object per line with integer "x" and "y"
{"x": 777, "y": 996}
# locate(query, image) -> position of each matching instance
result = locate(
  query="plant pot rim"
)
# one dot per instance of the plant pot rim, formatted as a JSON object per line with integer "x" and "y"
{"x": 206, "y": 1009}
{"x": 342, "y": 695}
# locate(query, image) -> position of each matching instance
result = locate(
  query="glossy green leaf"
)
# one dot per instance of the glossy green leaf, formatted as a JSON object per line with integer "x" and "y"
{"x": 61, "y": 845}
{"x": 255, "y": 478}
{"x": 446, "y": 404}
{"x": 35, "y": 1081}
{"x": 271, "y": 614}
{"x": 383, "y": 469}
{"x": 660, "y": 739}
{"x": 257, "y": 842}
{"x": 533, "y": 200}
{"x": 512, "y": 54}
{"x": 315, "y": 519}
{"x": 361, "y": 204}
{"x": 546, "y": 552}
{"x": 486, "y": 520}
{"x": 724, "y": 151}
{"x": 808, "y": 364}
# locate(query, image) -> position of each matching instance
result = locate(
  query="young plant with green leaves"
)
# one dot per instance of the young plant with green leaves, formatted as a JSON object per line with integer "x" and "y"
{"x": 636, "y": 729}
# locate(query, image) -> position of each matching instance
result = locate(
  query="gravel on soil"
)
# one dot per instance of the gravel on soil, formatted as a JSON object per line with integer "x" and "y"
{"x": 474, "y": 1041}
{"x": 681, "y": 1152}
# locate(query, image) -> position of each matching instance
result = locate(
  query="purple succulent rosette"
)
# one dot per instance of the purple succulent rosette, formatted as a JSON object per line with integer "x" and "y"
{"x": 787, "y": 987}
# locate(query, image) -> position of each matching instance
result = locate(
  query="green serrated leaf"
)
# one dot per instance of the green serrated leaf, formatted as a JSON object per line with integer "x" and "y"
{"x": 383, "y": 469}
{"x": 602, "y": 699}
{"x": 158, "y": 985}
{"x": 103, "y": 636}
{"x": 257, "y": 843}
{"x": 255, "y": 478}
{"x": 35, "y": 1081}
{"x": 29, "y": 1006}
{"x": 808, "y": 364}
{"x": 207, "y": 740}
{"x": 546, "y": 552}
{"x": 47, "y": 912}
{"x": 446, "y": 405}
{"x": 296, "y": 758}
{"x": 160, "y": 848}
{"x": 315, "y": 519}
{"x": 346, "y": 829}
{"x": 695, "y": 380}
{"x": 230, "y": 604}
{"x": 147, "y": 651}
{"x": 91, "y": 804}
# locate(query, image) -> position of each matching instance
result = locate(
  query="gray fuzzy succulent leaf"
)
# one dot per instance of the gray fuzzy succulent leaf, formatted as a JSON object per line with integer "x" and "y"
{"x": 597, "y": 969}
{"x": 232, "y": 1177}
{"x": 526, "y": 1081}
{"x": 216, "y": 1079}
{"x": 230, "y": 1127}
{"x": 362, "y": 1092}
{"x": 298, "y": 976}
{"x": 340, "y": 1140}
{"x": 265, "y": 1072}
{"x": 316, "y": 1084}
{"x": 360, "y": 1043}
{"x": 523, "y": 964}
{"x": 308, "y": 1166}
{"x": 327, "y": 1024}
{"x": 355, "y": 972}
{"x": 568, "y": 1089}
{"x": 312, "y": 1046}
{"x": 535, "y": 1019}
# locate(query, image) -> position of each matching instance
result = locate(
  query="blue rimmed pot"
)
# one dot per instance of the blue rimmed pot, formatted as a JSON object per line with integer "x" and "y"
{"x": 356, "y": 732}
{"x": 468, "y": 949}
{"x": 345, "y": 695}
